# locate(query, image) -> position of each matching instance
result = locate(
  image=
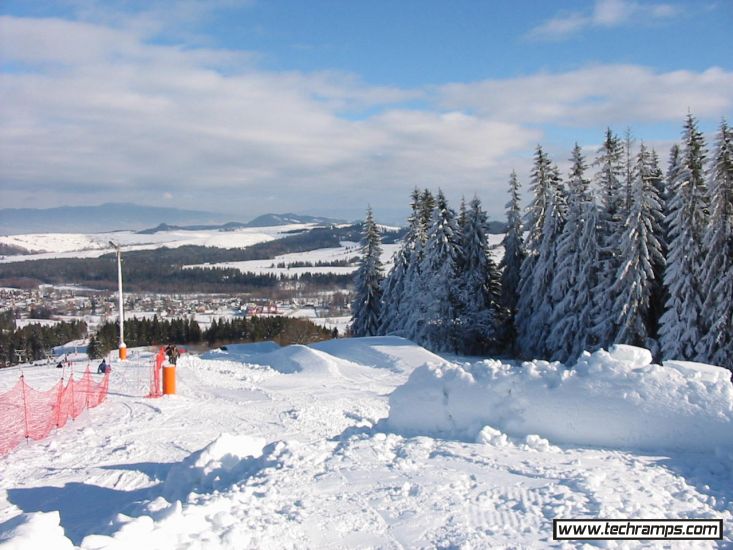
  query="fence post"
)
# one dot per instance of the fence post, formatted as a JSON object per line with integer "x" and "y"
{"x": 73, "y": 397}
{"x": 25, "y": 406}
{"x": 59, "y": 401}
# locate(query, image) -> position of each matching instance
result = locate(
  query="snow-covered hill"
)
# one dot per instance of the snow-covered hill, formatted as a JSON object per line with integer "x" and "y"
{"x": 368, "y": 443}
{"x": 83, "y": 245}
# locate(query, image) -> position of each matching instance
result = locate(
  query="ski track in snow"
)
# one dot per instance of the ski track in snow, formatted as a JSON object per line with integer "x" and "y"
{"x": 328, "y": 476}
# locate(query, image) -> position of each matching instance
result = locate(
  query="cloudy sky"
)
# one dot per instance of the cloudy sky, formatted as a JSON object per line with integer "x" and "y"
{"x": 252, "y": 106}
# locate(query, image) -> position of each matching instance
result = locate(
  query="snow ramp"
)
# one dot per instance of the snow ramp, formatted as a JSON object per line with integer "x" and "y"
{"x": 382, "y": 352}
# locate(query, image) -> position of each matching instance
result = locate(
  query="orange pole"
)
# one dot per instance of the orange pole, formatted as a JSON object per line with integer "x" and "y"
{"x": 169, "y": 380}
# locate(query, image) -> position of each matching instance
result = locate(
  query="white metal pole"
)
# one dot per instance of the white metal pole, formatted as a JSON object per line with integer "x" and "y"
{"x": 123, "y": 347}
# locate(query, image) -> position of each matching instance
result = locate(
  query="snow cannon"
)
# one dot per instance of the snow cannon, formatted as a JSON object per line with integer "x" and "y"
{"x": 123, "y": 352}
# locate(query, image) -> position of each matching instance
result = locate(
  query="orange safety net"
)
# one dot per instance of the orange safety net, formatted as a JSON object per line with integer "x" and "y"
{"x": 32, "y": 414}
{"x": 155, "y": 379}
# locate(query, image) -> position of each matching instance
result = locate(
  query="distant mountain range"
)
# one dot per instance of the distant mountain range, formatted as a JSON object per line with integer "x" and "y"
{"x": 133, "y": 217}
{"x": 266, "y": 220}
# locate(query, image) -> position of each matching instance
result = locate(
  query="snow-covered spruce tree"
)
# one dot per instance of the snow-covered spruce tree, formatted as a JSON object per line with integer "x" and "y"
{"x": 609, "y": 180}
{"x": 629, "y": 166}
{"x": 479, "y": 315}
{"x": 410, "y": 318}
{"x": 365, "y": 309}
{"x": 439, "y": 291}
{"x": 716, "y": 347}
{"x": 682, "y": 325}
{"x": 574, "y": 279}
{"x": 640, "y": 252}
{"x": 393, "y": 286}
{"x": 659, "y": 296}
{"x": 533, "y": 317}
{"x": 511, "y": 263}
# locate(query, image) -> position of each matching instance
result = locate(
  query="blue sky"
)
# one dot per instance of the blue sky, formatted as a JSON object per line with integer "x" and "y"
{"x": 322, "y": 107}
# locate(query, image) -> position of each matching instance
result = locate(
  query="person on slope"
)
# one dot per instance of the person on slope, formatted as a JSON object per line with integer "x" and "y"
{"x": 102, "y": 368}
{"x": 173, "y": 353}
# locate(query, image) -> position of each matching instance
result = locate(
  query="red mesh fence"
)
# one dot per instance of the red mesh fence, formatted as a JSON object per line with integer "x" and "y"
{"x": 29, "y": 413}
{"x": 155, "y": 374}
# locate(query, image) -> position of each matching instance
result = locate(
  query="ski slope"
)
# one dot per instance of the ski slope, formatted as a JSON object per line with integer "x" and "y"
{"x": 340, "y": 444}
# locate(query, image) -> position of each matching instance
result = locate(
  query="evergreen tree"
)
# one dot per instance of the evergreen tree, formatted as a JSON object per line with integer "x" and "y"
{"x": 609, "y": 177}
{"x": 543, "y": 222}
{"x": 94, "y": 350}
{"x": 365, "y": 309}
{"x": 438, "y": 301}
{"x": 640, "y": 252}
{"x": 717, "y": 344}
{"x": 629, "y": 167}
{"x": 682, "y": 323}
{"x": 574, "y": 280}
{"x": 511, "y": 263}
{"x": 427, "y": 205}
{"x": 479, "y": 315}
{"x": 658, "y": 297}
{"x": 411, "y": 316}
{"x": 393, "y": 287}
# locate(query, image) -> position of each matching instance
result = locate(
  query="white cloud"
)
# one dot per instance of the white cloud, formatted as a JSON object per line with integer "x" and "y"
{"x": 106, "y": 114}
{"x": 605, "y": 13}
{"x": 596, "y": 96}
{"x": 93, "y": 113}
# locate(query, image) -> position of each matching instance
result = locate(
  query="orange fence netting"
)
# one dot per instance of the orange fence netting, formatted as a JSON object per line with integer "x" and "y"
{"x": 29, "y": 413}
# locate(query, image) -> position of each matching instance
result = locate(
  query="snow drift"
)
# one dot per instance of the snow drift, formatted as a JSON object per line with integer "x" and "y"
{"x": 610, "y": 399}
{"x": 225, "y": 461}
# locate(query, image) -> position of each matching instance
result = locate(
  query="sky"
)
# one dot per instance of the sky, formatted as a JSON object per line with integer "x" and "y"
{"x": 326, "y": 107}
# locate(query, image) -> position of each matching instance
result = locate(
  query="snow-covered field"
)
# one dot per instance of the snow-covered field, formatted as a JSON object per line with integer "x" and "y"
{"x": 346, "y": 251}
{"x": 78, "y": 245}
{"x": 372, "y": 443}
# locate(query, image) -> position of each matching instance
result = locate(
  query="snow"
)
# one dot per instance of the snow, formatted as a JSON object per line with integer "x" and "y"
{"x": 346, "y": 251}
{"x": 613, "y": 399}
{"x": 302, "y": 447}
{"x": 78, "y": 245}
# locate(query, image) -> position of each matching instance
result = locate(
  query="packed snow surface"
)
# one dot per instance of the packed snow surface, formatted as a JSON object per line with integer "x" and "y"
{"x": 372, "y": 443}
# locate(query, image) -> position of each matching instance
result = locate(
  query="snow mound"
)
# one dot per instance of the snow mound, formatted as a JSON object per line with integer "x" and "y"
{"x": 392, "y": 352}
{"x": 33, "y": 531}
{"x": 297, "y": 359}
{"x": 610, "y": 399}
{"x": 225, "y": 461}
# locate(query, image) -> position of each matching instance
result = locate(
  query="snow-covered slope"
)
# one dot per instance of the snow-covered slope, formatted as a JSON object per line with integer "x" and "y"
{"x": 80, "y": 245}
{"x": 345, "y": 252}
{"x": 299, "y": 447}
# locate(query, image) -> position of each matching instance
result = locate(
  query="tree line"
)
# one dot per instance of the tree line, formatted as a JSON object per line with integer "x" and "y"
{"x": 628, "y": 255}
{"x": 153, "y": 332}
{"x": 34, "y": 341}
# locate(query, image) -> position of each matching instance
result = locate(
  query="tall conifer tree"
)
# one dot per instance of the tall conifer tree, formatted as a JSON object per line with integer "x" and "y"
{"x": 683, "y": 323}
{"x": 640, "y": 252}
{"x": 717, "y": 344}
{"x": 366, "y": 307}
{"x": 393, "y": 287}
{"x": 609, "y": 178}
{"x": 479, "y": 287}
{"x": 574, "y": 280}
{"x": 511, "y": 263}
{"x": 438, "y": 296}
{"x": 538, "y": 265}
